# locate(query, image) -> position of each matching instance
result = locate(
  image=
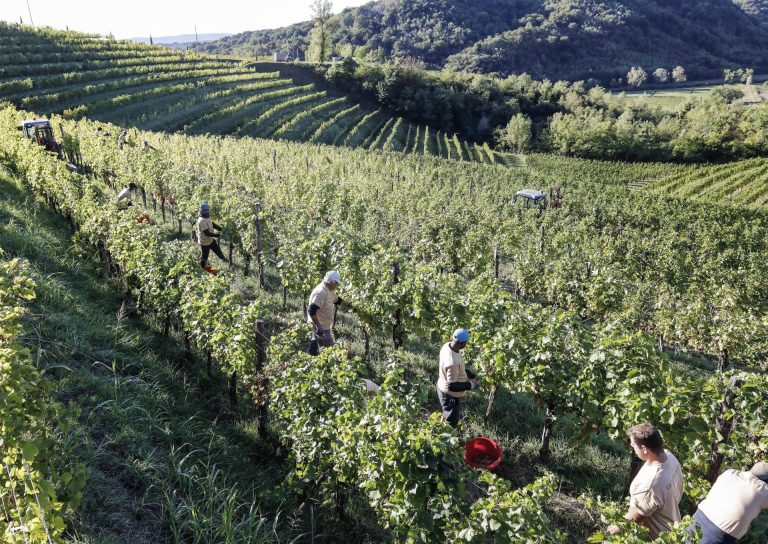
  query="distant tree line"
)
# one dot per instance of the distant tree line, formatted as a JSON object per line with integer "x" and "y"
{"x": 522, "y": 114}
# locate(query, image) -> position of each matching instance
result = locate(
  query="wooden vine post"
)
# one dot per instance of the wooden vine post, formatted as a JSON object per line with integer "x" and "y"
{"x": 397, "y": 333}
{"x": 723, "y": 428}
{"x": 260, "y": 246}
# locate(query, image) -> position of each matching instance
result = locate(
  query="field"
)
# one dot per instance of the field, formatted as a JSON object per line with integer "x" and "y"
{"x": 592, "y": 261}
{"x": 155, "y": 88}
{"x": 670, "y": 99}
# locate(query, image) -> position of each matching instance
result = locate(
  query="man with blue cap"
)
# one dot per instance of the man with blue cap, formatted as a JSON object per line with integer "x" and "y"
{"x": 454, "y": 378}
{"x": 206, "y": 237}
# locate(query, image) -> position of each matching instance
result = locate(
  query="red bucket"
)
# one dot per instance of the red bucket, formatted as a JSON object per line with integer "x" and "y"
{"x": 212, "y": 271}
{"x": 482, "y": 453}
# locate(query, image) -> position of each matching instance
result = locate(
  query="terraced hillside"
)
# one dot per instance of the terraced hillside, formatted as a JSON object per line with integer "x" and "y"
{"x": 742, "y": 184}
{"x": 151, "y": 87}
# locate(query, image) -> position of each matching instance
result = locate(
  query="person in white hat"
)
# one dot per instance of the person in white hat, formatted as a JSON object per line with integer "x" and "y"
{"x": 321, "y": 311}
{"x": 735, "y": 500}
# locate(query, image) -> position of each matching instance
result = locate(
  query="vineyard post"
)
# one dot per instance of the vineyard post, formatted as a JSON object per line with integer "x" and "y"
{"x": 723, "y": 361}
{"x": 491, "y": 399}
{"x": 231, "y": 250}
{"x": 723, "y": 428}
{"x": 178, "y": 219}
{"x": 187, "y": 348}
{"x": 496, "y": 260}
{"x": 546, "y": 434}
{"x": 541, "y": 242}
{"x": 144, "y": 197}
{"x": 261, "y": 344}
{"x": 232, "y": 389}
{"x": 397, "y": 339}
{"x": 259, "y": 246}
{"x": 209, "y": 364}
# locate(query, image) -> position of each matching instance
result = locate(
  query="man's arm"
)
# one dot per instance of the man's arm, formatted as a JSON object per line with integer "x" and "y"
{"x": 312, "y": 312}
{"x": 215, "y": 226}
{"x": 457, "y": 386}
{"x": 634, "y": 515}
{"x": 211, "y": 234}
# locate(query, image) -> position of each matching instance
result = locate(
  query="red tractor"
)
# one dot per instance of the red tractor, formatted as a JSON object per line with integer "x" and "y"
{"x": 41, "y": 132}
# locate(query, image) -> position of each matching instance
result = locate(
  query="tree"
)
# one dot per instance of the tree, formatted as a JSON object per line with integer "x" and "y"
{"x": 517, "y": 134}
{"x": 321, "y": 43}
{"x": 678, "y": 75}
{"x": 661, "y": 75}
{"x": 637, "y": 76}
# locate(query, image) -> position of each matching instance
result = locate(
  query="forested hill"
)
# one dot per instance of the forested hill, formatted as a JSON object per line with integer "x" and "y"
{"x": 557, "y": 39}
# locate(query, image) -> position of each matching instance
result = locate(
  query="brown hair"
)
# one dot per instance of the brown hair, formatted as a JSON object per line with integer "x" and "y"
{"x": 647, "y": 435}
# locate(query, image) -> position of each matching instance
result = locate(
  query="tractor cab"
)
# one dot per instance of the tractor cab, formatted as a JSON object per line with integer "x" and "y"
{"x": 41, "y": 132}
{"x": 531, "y": 199}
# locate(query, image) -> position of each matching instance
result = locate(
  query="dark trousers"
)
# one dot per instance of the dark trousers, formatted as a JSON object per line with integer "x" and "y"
{"x": 450, "y": 408}
{"x": 711, "y": 533}
{"x": 206, "y": 250}
{"x": 316, "y": 342}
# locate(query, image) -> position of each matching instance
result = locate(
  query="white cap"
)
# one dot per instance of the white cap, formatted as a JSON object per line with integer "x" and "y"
{"x": 332, "y": 276}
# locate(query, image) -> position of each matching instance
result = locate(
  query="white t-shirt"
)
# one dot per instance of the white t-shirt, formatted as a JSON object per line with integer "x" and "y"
{"x": 735, "y": 500}
{"x": 452, "y": 370}
{"x": 125, "y": 194}
{"x": 203, "y": 224}
{"x": 656, "y": 492}
{"x": 325, "y": 299}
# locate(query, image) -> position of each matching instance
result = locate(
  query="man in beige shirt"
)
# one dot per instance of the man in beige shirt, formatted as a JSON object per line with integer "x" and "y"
{"x": 321, "y": 312}
{"x": 735, "y": 500}
{"x": 206, "y": 237}
{"x": 454, "y": 379}
{"x": 656, "y": 491}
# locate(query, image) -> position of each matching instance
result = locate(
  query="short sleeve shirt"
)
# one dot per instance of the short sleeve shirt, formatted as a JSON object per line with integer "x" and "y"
{"x": 735, "y": 500}
{"x": 452, "y": 370}
{"x": 125, "y": 194}
{"x": 656, "y": 492}
{"x": 203, "y": 224}
{"x": 325, "y": 299}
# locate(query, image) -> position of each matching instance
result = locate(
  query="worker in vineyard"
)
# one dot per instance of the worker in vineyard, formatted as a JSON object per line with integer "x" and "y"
{"x": 206, "y": 237}
{"x": 735, "y": 500}
{"x": 122, "y": 139}
{"x": 124, "y": 197}
{"x": 455, "y": 379}
{"x": 656, "y": 491}
{"x": 321, "y": 312}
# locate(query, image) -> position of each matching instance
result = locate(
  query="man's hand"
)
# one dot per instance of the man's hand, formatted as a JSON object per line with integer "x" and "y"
{"x": 613, "y": 529}
{"x": 474, "y": 384}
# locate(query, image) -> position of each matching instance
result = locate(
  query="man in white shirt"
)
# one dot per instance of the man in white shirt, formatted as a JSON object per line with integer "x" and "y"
{"x": 656, "y": 491}
{"x": 321, "y": 312}
{"x": 206, "y": 237}
{"x": 454, "y": 379}
{"x": 124, "y": 198}
{"x": 735, "y": 500}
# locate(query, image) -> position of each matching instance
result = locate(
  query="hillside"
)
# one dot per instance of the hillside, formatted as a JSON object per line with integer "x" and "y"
{"x": 592, "y": 258}
{"x": 563, "y": 39}
{"x": 153, "y": 87}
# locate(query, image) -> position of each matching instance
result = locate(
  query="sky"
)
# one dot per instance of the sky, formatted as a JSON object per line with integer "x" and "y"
{"x": 141, "y": 18}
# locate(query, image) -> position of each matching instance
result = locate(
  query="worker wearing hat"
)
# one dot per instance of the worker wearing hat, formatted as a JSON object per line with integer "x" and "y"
{"x": 124, "y": 197}
{"x": 321, "y": 312}
{"x": 454, "y": 378}
{"x": 733, "y": 502}
{"x": 206, "y": 237}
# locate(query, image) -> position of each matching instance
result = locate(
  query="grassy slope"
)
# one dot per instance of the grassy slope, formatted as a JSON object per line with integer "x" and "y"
{"x": 157, "y": 445}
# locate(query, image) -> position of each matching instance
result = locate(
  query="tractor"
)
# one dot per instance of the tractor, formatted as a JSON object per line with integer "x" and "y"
{"x": 41, "y": 132}
{"x": 537, "y": 200}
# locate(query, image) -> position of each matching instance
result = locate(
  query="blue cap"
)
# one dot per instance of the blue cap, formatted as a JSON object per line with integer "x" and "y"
{"x": 461, "y": 335}
{"x": 204, "y": 207}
